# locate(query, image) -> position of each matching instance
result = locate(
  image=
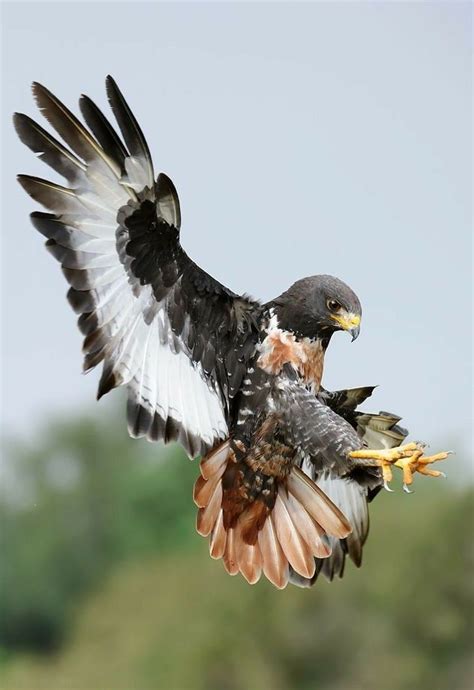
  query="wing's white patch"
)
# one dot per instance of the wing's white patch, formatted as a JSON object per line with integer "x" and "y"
{"x": 168, "y": 383}
{"x": 154, "y": 364}
{"x": 131, "y": 330}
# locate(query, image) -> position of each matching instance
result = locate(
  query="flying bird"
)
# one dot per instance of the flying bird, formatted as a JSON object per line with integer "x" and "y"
{"x": 287, "y": 468}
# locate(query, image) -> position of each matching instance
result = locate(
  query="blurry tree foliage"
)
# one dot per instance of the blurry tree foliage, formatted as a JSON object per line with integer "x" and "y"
{"x": 104, "y": 583}
{"x": 83, "y": 498}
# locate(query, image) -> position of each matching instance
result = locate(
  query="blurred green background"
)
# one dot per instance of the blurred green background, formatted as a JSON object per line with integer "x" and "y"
{"x": 106, "y": 585}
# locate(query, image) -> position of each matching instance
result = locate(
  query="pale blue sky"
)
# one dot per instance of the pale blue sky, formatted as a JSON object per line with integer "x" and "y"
{"x": 302, "y": 138}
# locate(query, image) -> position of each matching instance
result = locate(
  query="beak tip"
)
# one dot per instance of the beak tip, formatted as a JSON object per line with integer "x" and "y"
{"x": 355, "y": 333}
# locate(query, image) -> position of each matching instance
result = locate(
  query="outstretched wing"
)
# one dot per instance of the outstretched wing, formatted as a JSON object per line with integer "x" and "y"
{"x": 336, "y": 429}
{"x": 177, "y": 338}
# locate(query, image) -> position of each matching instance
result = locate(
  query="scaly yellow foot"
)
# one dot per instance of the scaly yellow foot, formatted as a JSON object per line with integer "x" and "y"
{"x": 409, "y": 458}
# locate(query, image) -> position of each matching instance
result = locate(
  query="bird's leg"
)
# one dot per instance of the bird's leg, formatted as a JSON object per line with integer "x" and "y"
{"x": 409, "y": 458}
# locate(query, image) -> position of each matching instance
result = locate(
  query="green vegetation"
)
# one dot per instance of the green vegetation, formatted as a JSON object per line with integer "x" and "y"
{"x": 105, "y": 585}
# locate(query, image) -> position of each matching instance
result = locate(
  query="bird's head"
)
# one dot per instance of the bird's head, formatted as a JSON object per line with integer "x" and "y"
{"x": 317, "y": 306}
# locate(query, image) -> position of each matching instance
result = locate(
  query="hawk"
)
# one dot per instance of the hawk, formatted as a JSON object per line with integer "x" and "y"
{"x": 288, "y": 468}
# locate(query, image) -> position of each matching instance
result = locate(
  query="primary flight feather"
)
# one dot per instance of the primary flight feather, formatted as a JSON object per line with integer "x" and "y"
{"x": 286, "y": 472}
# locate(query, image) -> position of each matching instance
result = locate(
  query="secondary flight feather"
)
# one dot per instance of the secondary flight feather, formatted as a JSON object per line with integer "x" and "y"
{"x": 287, "y": 468}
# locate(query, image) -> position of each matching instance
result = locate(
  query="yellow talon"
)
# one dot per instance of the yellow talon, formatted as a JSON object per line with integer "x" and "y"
{"x": 407, "y": 465}
{"x": 409, "y": 458}
{"x": 428, "y": 459}
{"x": 430, "y": 473}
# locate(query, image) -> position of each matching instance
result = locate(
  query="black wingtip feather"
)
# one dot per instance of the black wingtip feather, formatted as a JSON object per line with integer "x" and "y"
{"x": 22, "y": 124}
{"x": 108, "y": 381}
{"x": 103, "y": 131}
{"x": 139, "y": 420}
{"x": 18, "y": 120}
{"x": 45, "y": 223}
{"x": 80, "y": 300}
{"x": 131, "y": 131}
{"x": 48, "y": 149}
{"x": 39, "y": 93}
{"x": 36, "y": 86}
{"x": 67, "y": 125}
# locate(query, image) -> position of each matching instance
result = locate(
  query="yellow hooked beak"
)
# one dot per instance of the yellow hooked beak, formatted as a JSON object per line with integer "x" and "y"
{"x": 348, "y": 322}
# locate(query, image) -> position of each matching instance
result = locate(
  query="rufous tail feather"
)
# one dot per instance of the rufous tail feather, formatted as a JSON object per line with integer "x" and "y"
{"x": 261, "y": 539}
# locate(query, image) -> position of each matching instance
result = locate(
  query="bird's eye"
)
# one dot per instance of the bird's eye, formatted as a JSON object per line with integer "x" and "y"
{"x": 333, "y": 305}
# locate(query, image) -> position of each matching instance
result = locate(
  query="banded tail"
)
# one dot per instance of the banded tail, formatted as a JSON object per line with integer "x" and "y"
{"x": 285, "y": 525}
